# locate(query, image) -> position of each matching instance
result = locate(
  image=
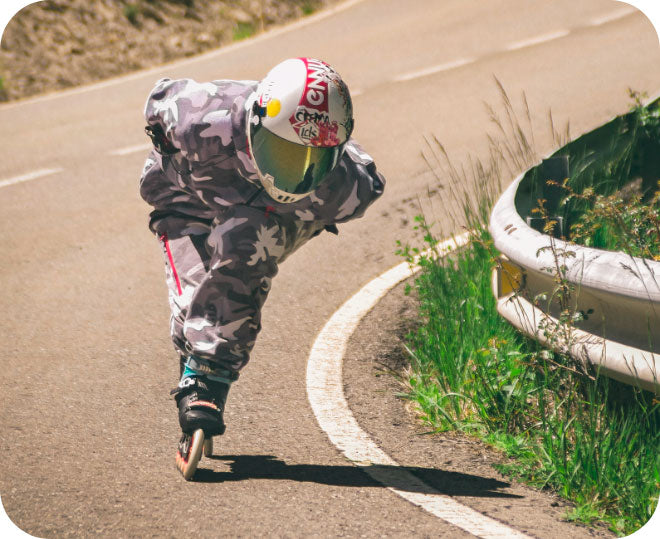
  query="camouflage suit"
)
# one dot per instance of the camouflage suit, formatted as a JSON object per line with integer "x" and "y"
{"x": 222, "y": 235}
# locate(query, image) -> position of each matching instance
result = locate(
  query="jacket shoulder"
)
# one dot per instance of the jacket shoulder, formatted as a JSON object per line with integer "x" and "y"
{"x": 196, "y": 117}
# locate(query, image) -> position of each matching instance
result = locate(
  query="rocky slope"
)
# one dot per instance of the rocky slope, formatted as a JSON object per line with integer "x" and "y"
{"x": 55, "y": 44}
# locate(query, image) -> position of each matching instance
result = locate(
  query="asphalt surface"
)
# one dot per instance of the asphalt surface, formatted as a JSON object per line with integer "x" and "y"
{"x": 89, "y": 430}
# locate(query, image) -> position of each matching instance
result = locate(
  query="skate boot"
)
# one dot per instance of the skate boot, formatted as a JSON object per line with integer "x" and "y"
{"x": 201, "y": 401}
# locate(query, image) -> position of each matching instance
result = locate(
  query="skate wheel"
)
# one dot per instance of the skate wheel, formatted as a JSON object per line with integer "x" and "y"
{"x": 189, "y": 453}
{"x": 208, "y": 447}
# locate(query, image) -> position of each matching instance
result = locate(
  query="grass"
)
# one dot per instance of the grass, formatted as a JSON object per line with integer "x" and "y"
{"x": 622, "y": 221}
{"x": 592, "y": 440}
{"x": 243, "y": 30}
{"x": 308, "y": 8}
{"x": 611, "y": 200}
{"x": 132, "y": 12}
{"x": 3, "y": 89}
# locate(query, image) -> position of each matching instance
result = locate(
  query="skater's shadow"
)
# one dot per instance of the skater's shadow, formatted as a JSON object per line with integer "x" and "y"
{"x": 242, "y": 467}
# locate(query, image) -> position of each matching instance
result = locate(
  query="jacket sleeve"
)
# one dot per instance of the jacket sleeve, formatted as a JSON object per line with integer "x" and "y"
{"x": 195, "y": 117}
{"x": 353, "y": 185}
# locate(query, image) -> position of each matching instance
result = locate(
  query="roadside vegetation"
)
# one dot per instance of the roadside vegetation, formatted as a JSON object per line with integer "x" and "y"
{"x": 559, "y": 425}
{"x": 58, "y": 44}
{"x": 612, "y": 200}
{"x": 622, "y": 221}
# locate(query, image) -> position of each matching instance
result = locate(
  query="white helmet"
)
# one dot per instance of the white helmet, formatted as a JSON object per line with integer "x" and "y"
{"x": 298, "y": 125}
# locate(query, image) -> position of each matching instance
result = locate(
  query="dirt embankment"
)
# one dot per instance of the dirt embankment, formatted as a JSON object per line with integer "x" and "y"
{"x": 55, "y": 44}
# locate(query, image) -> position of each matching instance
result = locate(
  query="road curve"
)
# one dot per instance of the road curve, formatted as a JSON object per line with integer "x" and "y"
{"x": 90, "y": 430}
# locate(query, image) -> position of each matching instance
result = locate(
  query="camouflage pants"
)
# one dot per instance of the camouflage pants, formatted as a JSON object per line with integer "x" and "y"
{"x": 219, "y": 274}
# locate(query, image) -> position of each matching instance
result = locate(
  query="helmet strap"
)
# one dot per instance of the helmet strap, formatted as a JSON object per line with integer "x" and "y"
{"x": 257, "y": 110}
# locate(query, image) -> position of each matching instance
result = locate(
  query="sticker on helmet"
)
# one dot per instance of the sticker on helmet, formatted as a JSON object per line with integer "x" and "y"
{"x": 316, "y": 87}
{"x": 327, "y": 135}
{"x": 311, "y": 120}
{"x": 273, "y": 108}
{"x": 314, "y": 127}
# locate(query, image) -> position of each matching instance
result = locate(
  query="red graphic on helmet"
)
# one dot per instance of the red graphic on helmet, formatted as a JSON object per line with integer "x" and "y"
{"x": 327, "y": 135}
{"x": 315, "y": 95}
{"x": 311, "y": 121}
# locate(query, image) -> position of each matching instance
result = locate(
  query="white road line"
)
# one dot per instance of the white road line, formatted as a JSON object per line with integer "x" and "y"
{"x": 544, "y": 38}
{"x": 132, "y": 149}
{"x": 30, "y": 176}
{"x": 615, "y": 16}
{"x": 326, "y": 396}
{"x": 537, "y": 40}
{"x": 434, "y": 69}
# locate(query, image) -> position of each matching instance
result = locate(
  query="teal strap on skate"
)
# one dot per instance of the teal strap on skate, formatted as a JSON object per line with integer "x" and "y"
{"x": 188, "y": 372}
{"x": 196, "y": 366}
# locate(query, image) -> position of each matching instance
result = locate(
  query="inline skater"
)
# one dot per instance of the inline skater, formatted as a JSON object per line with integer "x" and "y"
{"x": 241, "y": 175}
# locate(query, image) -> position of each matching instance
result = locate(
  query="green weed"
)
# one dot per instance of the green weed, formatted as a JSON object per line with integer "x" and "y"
{"x": 243, "y": 30}
{"x": 592, "y": 440}
{"x": 308, "y": 8}
{"x": 132, "y": 12}
{"x": 610, "y": 198}
{"x": 618, "y": 222}
{"x": 3, "y": 89}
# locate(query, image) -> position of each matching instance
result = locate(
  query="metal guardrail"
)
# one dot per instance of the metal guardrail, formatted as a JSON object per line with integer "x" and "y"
{"x": 617, "y": 295}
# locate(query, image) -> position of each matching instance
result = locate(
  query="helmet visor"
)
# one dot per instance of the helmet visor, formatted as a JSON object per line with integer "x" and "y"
{"x": 295, "y": 168}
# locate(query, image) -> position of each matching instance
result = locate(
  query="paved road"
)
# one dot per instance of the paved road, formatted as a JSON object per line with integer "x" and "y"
{"x": 89, "y": 430}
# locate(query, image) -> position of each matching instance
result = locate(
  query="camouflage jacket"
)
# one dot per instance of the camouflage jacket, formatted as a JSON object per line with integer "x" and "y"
{"x": 212, "y": 170}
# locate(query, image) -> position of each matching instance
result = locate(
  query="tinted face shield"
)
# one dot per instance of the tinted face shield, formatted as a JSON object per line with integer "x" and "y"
{"x": 293, "y": 169}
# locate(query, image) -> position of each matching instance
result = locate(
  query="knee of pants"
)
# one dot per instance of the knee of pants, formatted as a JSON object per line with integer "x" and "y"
{"x": 248, "y": 238}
